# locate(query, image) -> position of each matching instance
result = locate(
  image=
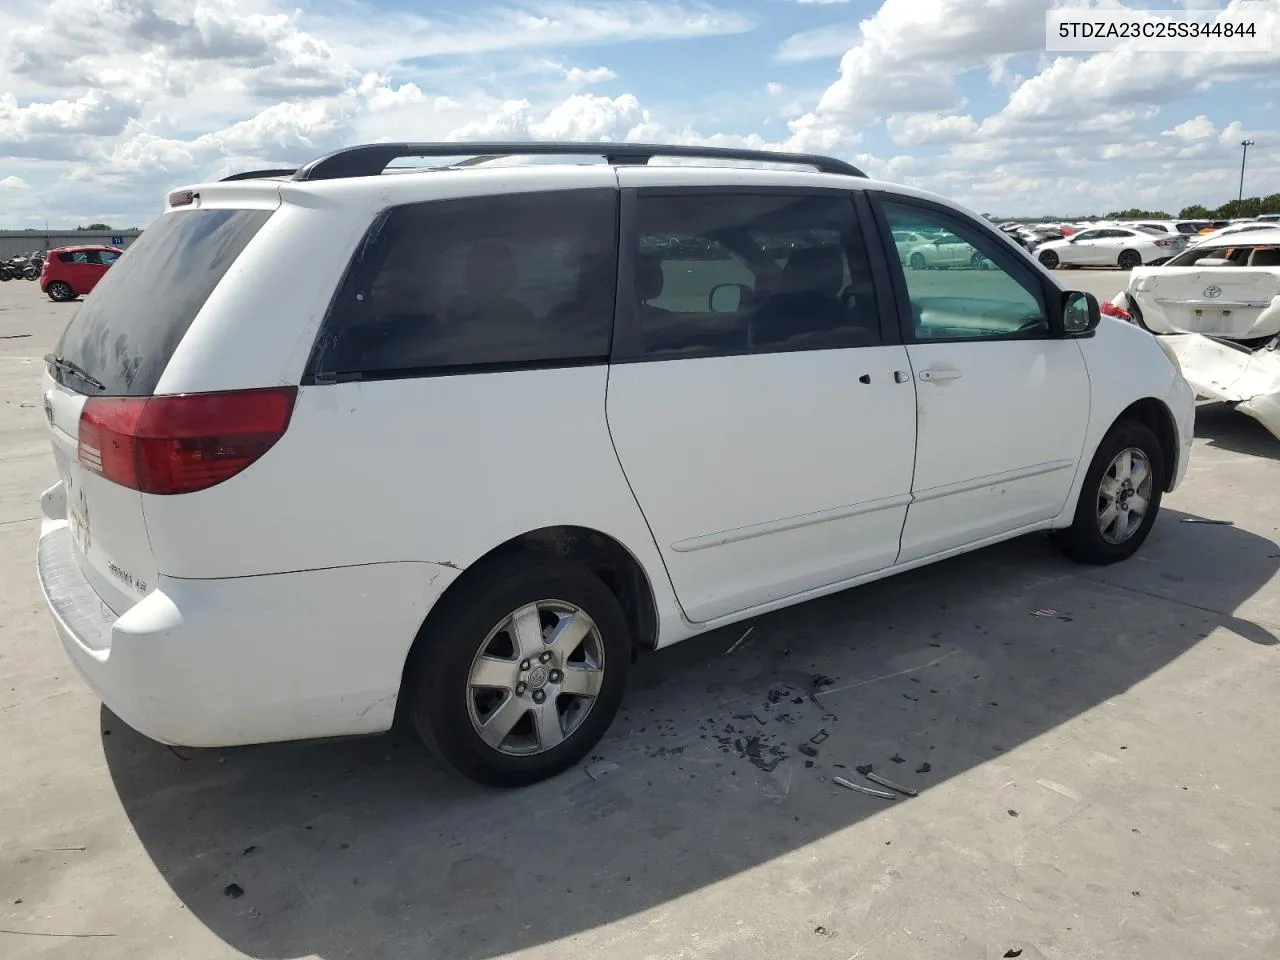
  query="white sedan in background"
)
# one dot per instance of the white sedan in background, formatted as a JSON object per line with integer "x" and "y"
{"x": 1123, "y": 247}
{"x": 921, "y": 252}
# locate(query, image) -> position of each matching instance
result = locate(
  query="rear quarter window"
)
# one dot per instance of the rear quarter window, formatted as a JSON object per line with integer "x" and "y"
{"x": 127, "y": 330}
{"x": 476, "y": 283}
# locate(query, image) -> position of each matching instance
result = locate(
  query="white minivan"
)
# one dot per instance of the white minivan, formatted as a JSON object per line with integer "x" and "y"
{"x": 455, "y": 442}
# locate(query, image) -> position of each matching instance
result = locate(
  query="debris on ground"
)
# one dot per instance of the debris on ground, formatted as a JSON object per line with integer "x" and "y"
{"x": 883, "y": 795}
{"x": 924, "y": 767}
{"x": 1211, "y": 523}
{"x": 1044, "y": 613}
{"x": 1013, "y": 813}
{"x": 1010, "y": 954}
{"x": 824, "y": 932}
{"x": 597, "y": 770}
{"x": 822, "y": 680}
{"x": 897, "y": 759}
{"x": 233, "y": 890}
{"x": 739, "y": 642}
{"x": 864, "y": 768}
{"x": 808, "y": 749}
{"x": 777, "y": 786}
{"x": 884, "y": 782}
{"x": 819, "y": 736}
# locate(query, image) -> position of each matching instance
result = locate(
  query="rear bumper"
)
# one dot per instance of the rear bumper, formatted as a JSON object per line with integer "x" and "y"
{"x": 208, "y": 663}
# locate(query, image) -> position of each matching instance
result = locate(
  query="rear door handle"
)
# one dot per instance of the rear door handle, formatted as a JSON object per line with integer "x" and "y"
{"x": 937, "y": 374}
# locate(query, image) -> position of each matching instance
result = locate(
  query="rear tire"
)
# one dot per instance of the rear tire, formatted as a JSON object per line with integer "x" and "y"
{"x": 1106, "y": 528}
{"x": 495, "y": 628}
{"x": 917, "y": 261}
{"x": 1048, "y": 259}
{"x": 60, "y": 292}
{"x": 1129, "y": 259}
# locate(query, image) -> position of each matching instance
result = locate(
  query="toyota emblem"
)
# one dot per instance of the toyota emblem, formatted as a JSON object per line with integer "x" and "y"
{"x": 1212, "y": 292}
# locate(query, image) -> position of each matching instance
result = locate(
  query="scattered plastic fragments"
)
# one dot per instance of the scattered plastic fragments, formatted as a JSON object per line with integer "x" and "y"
{"x": 233, "y": 890}
{"x": 808, "y": 749}
{"x": 819, "y": 736}
{"x": 883, "y": 795}
{"x": 924, "y": 767}
{"x": 884, "y": 782}
{"x": 739, "y": 642}
{"x": 597, "y": 770}
{"x": 1212, "y": 523}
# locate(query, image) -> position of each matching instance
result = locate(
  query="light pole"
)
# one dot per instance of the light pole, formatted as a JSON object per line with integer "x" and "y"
{"x": 1243, "y": 154}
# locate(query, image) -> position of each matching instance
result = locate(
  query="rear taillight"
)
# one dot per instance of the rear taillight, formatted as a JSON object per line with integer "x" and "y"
{"x": 1111, "y": 310}
{"x": 1169, "y": 242}
{"x": 184, "y": 443}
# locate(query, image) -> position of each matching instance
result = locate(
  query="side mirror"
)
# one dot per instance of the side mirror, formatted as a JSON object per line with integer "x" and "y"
{"x": 725, "y": 298}
{"x": 1080, "y": 313}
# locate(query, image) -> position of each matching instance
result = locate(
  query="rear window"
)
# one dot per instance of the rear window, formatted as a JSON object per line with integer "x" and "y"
{"x": 482, "y": 282}
{"x": 127, "y": 329}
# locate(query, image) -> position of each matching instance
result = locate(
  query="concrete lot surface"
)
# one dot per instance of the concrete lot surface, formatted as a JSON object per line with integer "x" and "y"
{"x": 1100, "y": 748}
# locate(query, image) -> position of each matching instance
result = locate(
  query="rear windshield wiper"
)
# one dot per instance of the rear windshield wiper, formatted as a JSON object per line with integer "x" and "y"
{"x": 77, "y": 371}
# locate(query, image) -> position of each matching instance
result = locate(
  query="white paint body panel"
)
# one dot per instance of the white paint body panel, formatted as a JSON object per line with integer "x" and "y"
{"x": 1105, "y": 251}
{"x": 988, "y": 463}
{"x": 1238, "y": 303}
{"x": 281, "y": 603}
{"x": 764, "y": 476}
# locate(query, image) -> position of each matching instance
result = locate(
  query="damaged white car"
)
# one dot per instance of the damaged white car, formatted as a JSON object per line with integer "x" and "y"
{"x": 1229, "y": 288}
{"x": 1231, "y": 373}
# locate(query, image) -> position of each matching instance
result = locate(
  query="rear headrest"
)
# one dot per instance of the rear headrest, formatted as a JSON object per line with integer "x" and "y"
{"x": 649, "y": 278}
{"x": 815, "y": 270}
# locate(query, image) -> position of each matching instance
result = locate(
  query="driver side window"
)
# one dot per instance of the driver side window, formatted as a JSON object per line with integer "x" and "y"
{"x": 959, "y": 288}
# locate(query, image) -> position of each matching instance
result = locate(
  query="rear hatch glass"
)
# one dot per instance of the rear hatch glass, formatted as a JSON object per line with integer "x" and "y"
{"x": 118, "y": 345}
{"x": 127, "y": 330}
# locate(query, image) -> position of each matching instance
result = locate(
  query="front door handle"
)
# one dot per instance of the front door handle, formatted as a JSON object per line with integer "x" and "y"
{"x": 936, "y": 374}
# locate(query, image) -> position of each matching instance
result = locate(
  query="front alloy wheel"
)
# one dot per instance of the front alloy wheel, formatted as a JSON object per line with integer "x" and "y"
{"x": 1124, "y": 495}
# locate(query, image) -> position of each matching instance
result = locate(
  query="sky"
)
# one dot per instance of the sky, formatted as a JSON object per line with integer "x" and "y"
{"x": 107, "y": 104}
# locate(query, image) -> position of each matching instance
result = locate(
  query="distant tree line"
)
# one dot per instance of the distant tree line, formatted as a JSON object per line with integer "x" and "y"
{"x": 1231, "y": 210}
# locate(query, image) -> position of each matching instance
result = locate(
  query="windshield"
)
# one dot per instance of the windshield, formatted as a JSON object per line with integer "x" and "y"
{"x": 129, "y": 326}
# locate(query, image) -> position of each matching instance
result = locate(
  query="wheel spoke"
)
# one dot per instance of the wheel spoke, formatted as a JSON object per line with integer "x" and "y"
{"x": 494, "y": 672}
{"x": 1138, "y": 505}
{"x": 1110, "y": 488}
{"x": 569, "y": 634}
{"x": 1124, "y": 466}
{"x": 499, "y": 724}
{"x": 582, "y": 682}
{"x": 546, "y": 719}
{"x": 1107, "y": 518}
{"x": 526, "y": 631}
{"x": 1141, "y": 470}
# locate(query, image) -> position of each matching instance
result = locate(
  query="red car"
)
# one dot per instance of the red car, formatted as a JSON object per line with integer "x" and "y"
{"x": 71, "y": 272}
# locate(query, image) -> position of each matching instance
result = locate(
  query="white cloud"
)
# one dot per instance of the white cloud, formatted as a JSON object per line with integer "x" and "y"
{"x": 819, "y": 43}
{"x": 13, "y": 184}
{"x": 819, "y": 3}
{"x": 579, "y": 76}
{"x": 918, "y": 129}
{"x": 1197, "y": 128}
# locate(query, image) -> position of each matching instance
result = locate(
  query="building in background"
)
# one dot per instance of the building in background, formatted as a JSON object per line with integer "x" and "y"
{"x": 15, "y": 242}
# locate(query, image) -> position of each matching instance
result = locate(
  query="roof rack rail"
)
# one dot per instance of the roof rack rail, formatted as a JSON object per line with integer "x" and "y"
{"x": 259, "y": 174}
{"x": 371, "y": 159}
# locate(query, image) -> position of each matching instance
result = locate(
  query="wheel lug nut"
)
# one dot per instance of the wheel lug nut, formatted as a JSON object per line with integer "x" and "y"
{"x": 556, "y": 676}
{"x": 545, "y": 656}
{"x": 520, "y": 689}
{"x": 524, "y": 665}
{"x": 539, "y": 696}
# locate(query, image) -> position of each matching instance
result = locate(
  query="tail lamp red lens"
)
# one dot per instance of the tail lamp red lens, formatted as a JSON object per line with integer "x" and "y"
{"x": 181, "y": 444}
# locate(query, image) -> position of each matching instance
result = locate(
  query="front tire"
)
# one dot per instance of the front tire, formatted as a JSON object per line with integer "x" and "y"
{"x": 917, "y": 261}
{"x": 60, "y": 292}
{"x": 1129, "y": 259}
{"x": 520, "y": 671}
{"x": 1120, "y": 497}
{"x": 1049, "y": 259}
